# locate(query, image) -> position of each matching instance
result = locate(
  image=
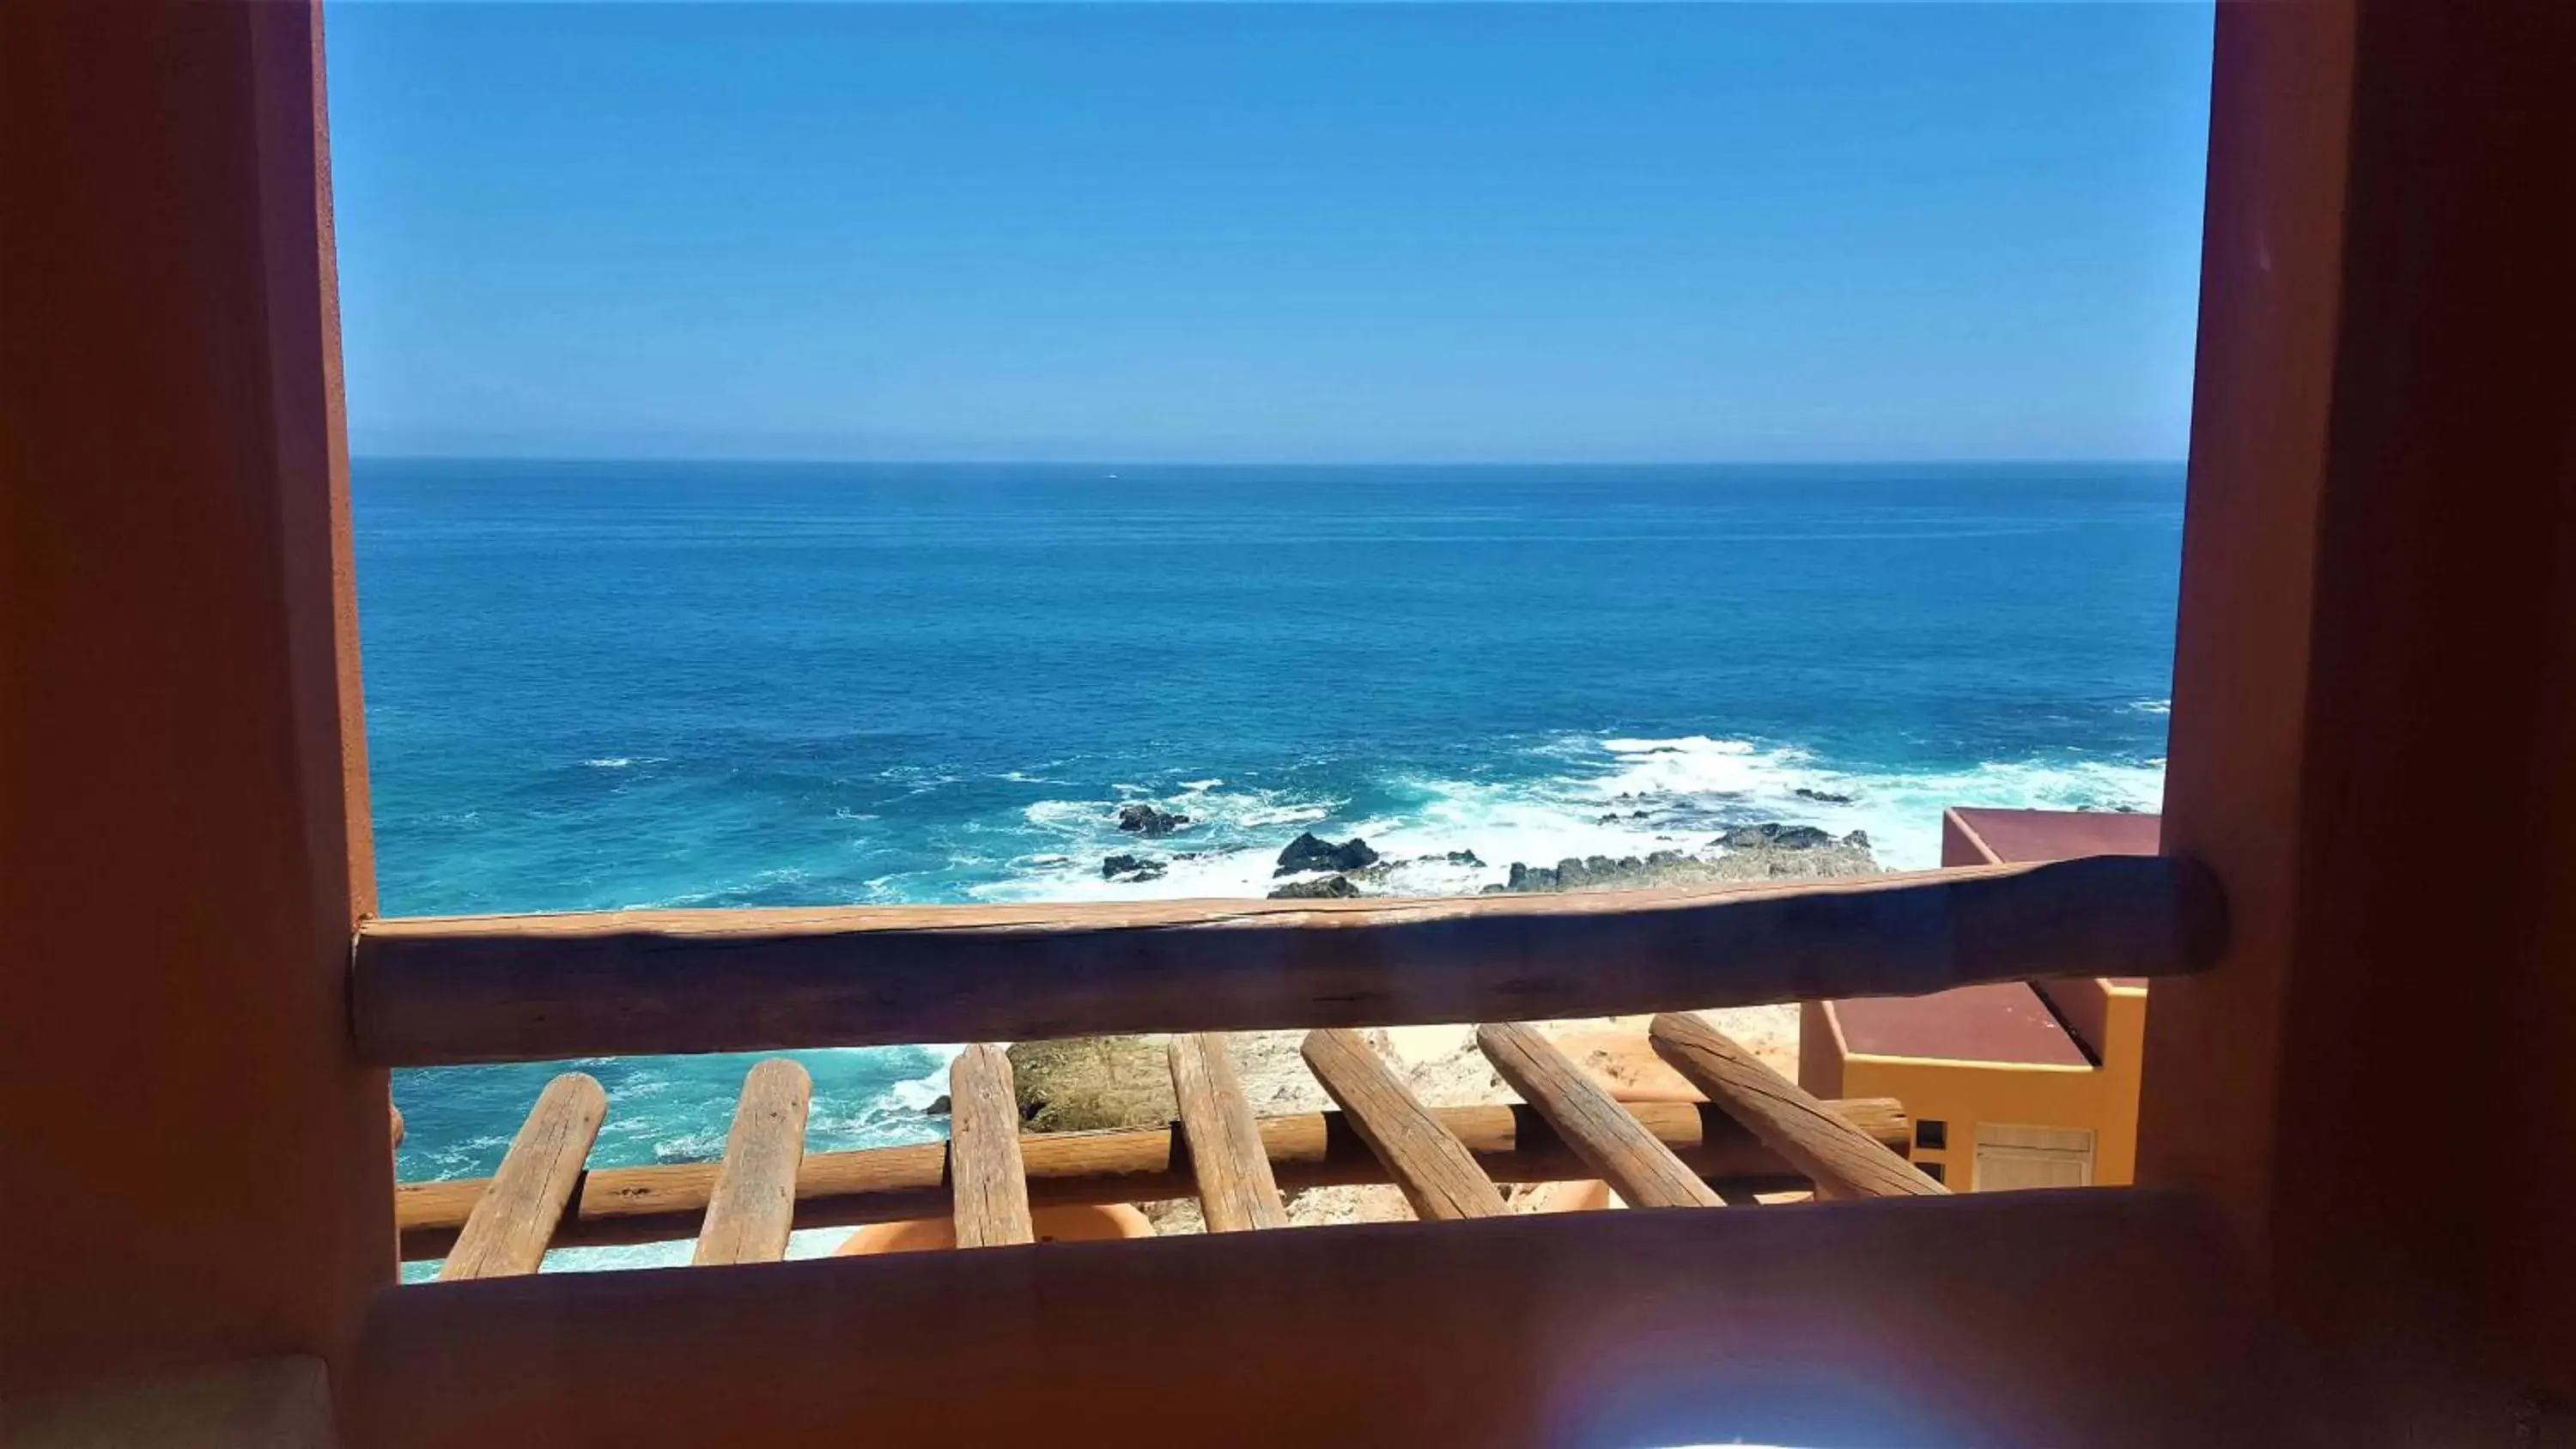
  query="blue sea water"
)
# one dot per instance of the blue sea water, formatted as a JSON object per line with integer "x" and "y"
{"x": 720, "y": 684}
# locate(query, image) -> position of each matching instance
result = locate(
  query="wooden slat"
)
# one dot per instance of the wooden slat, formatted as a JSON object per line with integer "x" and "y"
{"x": 501, "y": 988}
{"x": 753, "y": 1204}
{"x": 515, "y": 1218}
{"x": 1640, "y": 1169}
{"x": 1843, "y": 1160}
{"x": 1236, "y": 1191}
{"x": 1307, "y": 1149}
{"x": 1433, "y": 1168}
{"x": 988, "y": 1185}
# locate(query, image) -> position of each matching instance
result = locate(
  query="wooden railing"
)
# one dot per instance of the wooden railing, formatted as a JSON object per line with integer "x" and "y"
{"x": 427, "y": 991}
{"x": 533, "y": 987}
{"x": 1510, "y": 1144}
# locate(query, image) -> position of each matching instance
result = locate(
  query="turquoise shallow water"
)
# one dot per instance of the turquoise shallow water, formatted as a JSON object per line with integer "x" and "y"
{"x": 607, "y": 684}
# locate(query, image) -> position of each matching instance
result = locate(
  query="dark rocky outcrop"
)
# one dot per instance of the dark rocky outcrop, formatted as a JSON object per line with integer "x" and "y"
{"x": 1785, "y": 855}
{"x": 1149, "y": 821}
{"x": 1131, "y": 868}
{"x": 1330, "y": 888}
{"x": 1311, "y": 852}
{"x": 1773, "y": 836}
{"x": 1463, "y": 857}
{"x": 938, "y": 1106}
{"x": 1595, "y": 872}
{"x": 1822, "y": 797}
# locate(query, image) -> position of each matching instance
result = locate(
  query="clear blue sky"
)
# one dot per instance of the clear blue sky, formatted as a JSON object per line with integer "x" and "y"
{"x": 1288, "y": 232}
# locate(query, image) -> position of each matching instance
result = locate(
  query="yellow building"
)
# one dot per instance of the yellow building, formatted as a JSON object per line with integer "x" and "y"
{"x": 2011, "y": 1085}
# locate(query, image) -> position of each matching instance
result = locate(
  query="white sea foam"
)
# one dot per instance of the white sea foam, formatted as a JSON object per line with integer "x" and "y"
{"x": 610, "y": 762}
{"x": 1612, "y": 796}
{"x": 1302, "y": 814}
{"x": 925, "y": 1089}
{"x": 1225, "y": 852}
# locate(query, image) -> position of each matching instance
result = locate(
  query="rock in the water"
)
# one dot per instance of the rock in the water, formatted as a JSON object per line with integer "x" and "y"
{"x": 1822, "y": 797}
{"x": 1463, "y": 857}
{"x": 1149, "y": 821}
{"x": 1310, "y": 852}
{"x": 1330, "y": 888}
{"x": 1773, "y": 836}
{"x": 1131, "y": 868}
{"x": 938, "y": 1106}
{"x": 1858, "y": 840}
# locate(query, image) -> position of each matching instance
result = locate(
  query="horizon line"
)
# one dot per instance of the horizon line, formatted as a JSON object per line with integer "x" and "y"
{"x": 1999, "y": 460}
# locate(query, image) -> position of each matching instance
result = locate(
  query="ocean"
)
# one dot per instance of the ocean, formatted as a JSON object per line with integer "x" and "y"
{"x": 602, "y": 684}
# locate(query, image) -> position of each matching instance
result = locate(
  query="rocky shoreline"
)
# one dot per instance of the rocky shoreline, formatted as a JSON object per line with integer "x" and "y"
{"x": 1331, "y": 870}
{"x": 1754, "y": 852}
{"x": 1768, "y": 851}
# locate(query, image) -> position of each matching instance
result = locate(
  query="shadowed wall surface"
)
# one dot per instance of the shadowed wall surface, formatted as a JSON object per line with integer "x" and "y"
{"x": 2379, "y": 583}
{"x": 198, "y": 1166}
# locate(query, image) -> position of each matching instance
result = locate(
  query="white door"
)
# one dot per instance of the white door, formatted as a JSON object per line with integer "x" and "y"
{"x": 2011, "y": 1157}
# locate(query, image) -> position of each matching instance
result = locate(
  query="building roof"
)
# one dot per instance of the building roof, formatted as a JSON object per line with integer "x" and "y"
{"x": 2004, "y": 1022}
{"x": 2028, "y": 835}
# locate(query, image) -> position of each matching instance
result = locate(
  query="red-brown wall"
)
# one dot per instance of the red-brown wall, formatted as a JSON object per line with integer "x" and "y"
{"x": 2373, "y": 727}
{"x": 197, "y": 1169}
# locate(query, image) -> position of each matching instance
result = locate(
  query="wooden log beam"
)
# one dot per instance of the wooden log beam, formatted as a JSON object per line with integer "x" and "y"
{"x": 620, "y": 1205}
{"x": 434, "y": 990}
{"x": 988, "y": 1185}
{"x": 1236, "y": 1191}
{"x": 1840, "y": 1158}
{"x": 512, "y": 1223}
{"x": 1436, "y": 1173}
{"x": 1643, "y": 1171}
{"x": 752, "y": 1207}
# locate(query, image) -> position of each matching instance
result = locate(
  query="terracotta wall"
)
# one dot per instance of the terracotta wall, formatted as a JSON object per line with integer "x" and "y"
{"x": 2372, "y": 728}
{"x": 196, "y": 1169}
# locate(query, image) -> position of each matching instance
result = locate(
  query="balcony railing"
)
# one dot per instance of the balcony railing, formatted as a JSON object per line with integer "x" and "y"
{"x": 537, "y": 987}
{"x": 434, "y": 990}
